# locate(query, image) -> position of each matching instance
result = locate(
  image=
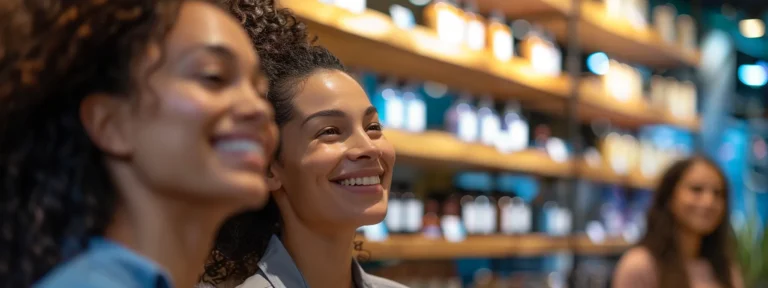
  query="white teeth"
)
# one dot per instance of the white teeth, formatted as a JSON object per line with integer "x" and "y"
{"x": 360, "y": 181}
{"x": 239, "y": 146}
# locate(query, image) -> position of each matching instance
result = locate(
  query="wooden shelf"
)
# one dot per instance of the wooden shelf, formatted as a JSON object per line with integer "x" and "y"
{"x": 601, "y": 174}
{"x": 638, "y": 181}
{"x": 416, "y": 247}
{"x": 619, "y": 39}
{"x": 528, "y": 8}
{"x": 372, "y": 41}
{"x": 442, "y": 150}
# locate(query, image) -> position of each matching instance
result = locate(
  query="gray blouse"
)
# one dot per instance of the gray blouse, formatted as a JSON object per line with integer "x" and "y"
{"x": 277, "y": 270}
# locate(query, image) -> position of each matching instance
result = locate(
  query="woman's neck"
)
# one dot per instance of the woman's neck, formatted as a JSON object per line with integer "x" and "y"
{"x": 689, "y": 244}
{"x": 324, "y": 259}
{"x": 176, "y": 235}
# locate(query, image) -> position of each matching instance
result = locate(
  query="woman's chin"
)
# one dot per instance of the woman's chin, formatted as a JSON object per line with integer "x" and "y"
{"x": 250, "y": 193}
{"x": 373, "y": 215}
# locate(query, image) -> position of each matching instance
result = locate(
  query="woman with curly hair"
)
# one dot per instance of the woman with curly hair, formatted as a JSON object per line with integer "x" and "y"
{"x": 330, "y": 175}
{"x": 687, "y": 243}
{"x": 129, "y": 131}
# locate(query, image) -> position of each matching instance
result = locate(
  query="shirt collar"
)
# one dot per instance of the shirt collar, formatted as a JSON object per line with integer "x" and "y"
{"x": 144, "y": 270}
{"x": 280, "y": 270}
{"x": 360, "y": 278}
{"x": 278, "y": 266}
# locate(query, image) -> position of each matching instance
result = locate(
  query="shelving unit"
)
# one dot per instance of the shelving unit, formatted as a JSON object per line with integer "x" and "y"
{"x": 410, "y": 247}
{"x": 372, "y": 41}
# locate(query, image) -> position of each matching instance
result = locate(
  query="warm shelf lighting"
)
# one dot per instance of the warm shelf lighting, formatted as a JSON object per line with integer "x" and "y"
{"x": 752, "y": 28}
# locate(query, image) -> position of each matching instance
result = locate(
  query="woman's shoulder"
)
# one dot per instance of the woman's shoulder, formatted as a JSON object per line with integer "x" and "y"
{"x": 637, "y": 268}
{"x": 638, "y": 259}
{"x": 106, "y": 265}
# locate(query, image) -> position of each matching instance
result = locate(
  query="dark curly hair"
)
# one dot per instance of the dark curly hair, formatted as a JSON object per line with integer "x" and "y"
{"x": 288, "y": 58}
{"x": 55, "y": 191}
{"x": 661, "y": 237}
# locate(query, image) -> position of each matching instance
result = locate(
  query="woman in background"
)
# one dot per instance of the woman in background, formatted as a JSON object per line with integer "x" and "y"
{"x": 331, "y": 175}
{"x": 687, "y": 243}
{"x": 129, "y": 131}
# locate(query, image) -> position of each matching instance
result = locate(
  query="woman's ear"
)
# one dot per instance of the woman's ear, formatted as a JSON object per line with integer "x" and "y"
{"x": 273, "y": 178}
{"x": 106, "y": 120}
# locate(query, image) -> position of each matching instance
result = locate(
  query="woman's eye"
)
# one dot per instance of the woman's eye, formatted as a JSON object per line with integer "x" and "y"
{"x": 213, "y": 78}
{"x": 697, "y": 189}
{"x": 375, "y": 127}
{"x": 329, "y": 131}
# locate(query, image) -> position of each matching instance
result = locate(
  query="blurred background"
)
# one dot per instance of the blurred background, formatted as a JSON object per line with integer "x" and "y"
{"x": 530, "y": 133}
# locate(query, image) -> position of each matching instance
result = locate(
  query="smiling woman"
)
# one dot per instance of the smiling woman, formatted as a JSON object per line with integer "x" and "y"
{"x": 687, "y": 243}
{"x": 330, "y": 176}
{"x": 129, "y": 131}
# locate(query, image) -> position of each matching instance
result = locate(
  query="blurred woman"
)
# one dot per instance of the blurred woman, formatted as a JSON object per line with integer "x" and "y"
{"x": 129, "y": 131}
{"x": 330, "y": 175}
{"x": 687, "y": 243}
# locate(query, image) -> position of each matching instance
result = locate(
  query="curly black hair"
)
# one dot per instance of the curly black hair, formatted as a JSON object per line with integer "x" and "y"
{"x": 55, "y": 191}
{"x": 288, "y": 58}
{"x": 661, "y": 236}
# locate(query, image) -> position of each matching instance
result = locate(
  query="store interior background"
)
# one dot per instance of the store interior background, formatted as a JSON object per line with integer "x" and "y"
{"x": 530, "y": 133}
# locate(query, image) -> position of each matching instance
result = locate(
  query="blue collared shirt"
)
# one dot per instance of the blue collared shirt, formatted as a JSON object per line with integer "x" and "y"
{"x": 107, "y": 264}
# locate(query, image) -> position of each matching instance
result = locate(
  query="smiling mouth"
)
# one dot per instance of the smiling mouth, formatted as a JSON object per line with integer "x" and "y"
{"x": 247, "y": 152}
{"x": 360, "y": 181}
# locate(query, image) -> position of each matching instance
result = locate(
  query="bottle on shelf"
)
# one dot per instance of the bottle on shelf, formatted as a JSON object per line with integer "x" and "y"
{"x": 686, "y": 32}
{"x": 415, "y": 108}
{"x": 557, "y": 219}
{"x": 638, "y": 13}
{"x": 467, "y": 201}
{"x": 614, "y": 152}
{"x": 541, "y": 136}
{"x": 515, "y": 214}
{"x": 395, "y": 210}
{"x": 489, "y": 121}
{"x": 461, "y": 119}
{"x": 413, "y": 210}
{"x": 542, "y": 52}
{"x": 431, "y": 219}
{"x": 658, "y": 93}
{"x": 389, "y": 101}
{"x": 450, "y": 222}
{"x": 475, "y": 33}
{"x": 664, "y": 22}
{"x": 500, "y": 40}
{"x": 689, "y": 99}
{"x": 485, "y": 209}
{"x": 514, "y": 129}
{"x": 447, "y": 20}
